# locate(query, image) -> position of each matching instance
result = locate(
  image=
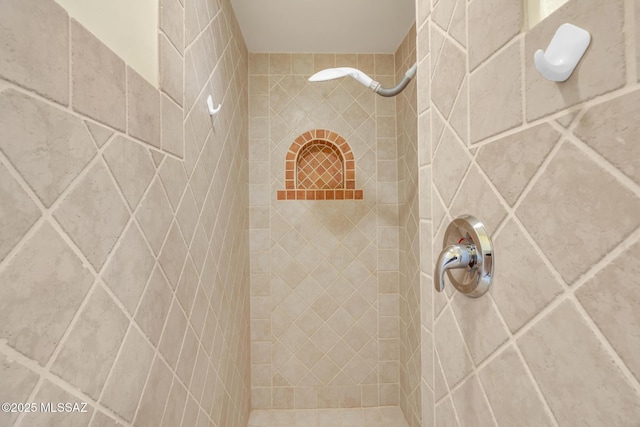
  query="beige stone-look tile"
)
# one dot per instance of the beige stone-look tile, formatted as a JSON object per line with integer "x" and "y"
{"x": 302, "y": 63}
{"x": 16, "y": 384}
{"x": 129, "y": 268}
{"x": 173, "y": 334}
{"x": 124, "y": 387}
{"x": 175, "y": 405}
{"x": 442, "y": 12}
{"x": 187, "y": 215}
{"x": 589, "y": 79}
{"x": 17, "y": 212}
{"x": 172, "y": 22}
{"x": 480, "y": 325}
{"x": 173, "y": 255}
{"x": 471, "y": 405}
{"x": 637, "y": 19}
{"x": 596, "y": 212}
{"x": 492, "y": 23}
{"x": 459, "y": 113}
{"x": 450, "y": 162}
{"x": 35, "y": 47}
{"x": 171, "y": 69}
{"x": 511, "y": 162}
{"x": 521, "y": 292}
{"x": 611, "y": 129}
{"x": 447, "y": 77}
{"x": 99, "y": 133}
{"x": 102, "y": 420}
{"x": 51, "y": 393}
{"x": 174, "y": 180}
{"x": 445, "y": 414}
{"x": 280, "y": 63}
{"x": 495, "y": 94}
{"x": 506, "y": 376}
{"x": 143, "y": 106}
{"x": 131, "y": 166}
{"x": 93, "y": 214}
{"x": 476, "y": 198}
{"x": 155, "y": 395}
{"x": 98, "y": 79}
{"x": 87, "y": 355}
{"x": 188, "y": 285}
{"x": 451, "y": 349}
{"x": 579, "y": 380}
{"x": 258, "y": 63}
{"x": 172, "y": 127}
{"x": 154, "y": 307}
{"x": 46, "y": 145}
{"x": 154, "y": 214}
{"x": 188, "y": 355}
{"x": 43, "y": 286}
{"x": 439, "y": 381}
{"x": 611, "y": 298}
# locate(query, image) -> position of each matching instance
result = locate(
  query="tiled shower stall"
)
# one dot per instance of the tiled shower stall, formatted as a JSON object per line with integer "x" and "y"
{"x": 172, "y": 269}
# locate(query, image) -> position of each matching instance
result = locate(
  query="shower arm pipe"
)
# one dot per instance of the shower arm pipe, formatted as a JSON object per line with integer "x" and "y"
{"x": 393, "y": 91}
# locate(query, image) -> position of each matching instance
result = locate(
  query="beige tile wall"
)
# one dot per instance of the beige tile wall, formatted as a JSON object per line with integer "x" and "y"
{"x": 551, "y": 169}
{"x": 124, "y": 257}
{"x": 409, "y": 236}
{"x": 324, "y": 274}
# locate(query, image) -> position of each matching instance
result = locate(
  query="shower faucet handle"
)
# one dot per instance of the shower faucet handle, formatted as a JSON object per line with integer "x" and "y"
{"x": 453, "y": 257}
{"x": 467, "y": 257}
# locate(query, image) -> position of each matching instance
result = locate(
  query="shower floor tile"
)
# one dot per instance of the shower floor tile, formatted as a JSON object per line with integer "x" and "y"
{"x": 385, "y": 416}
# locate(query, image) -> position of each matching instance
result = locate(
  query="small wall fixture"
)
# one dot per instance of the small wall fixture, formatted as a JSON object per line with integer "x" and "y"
{"x": 563, "y": 53}
{"x": 212, "y": 111}
{"x": 467, "y": 257}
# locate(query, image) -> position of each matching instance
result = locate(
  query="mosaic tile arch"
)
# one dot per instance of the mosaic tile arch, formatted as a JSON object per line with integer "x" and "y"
{"x": 320, "y": 166}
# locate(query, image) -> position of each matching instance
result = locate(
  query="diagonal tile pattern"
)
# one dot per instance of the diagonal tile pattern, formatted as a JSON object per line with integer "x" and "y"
{"x": 95, "y": 305}
{"x": 550, "y": 169}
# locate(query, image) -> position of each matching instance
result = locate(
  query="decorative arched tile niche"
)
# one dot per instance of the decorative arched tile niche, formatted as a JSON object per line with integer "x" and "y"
{"x": 320, "y": 166}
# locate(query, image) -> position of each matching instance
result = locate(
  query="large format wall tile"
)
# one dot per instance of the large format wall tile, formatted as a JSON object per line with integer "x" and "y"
{"x": 48, "y": 146}
{"x": 449, "y": 165}
{"x": 43, "y": 286}
{"x": 129, "y": 268}
{"x": 143, "y": 108}
{"x": 612, "y": 129}
{"x": 131, "y": 166}
{"x": 492, "y": 23}
{"x": 597, "y": 212}
{"x": 522, "y": 284}
{"x": 451, "y": 349}
{"x": 98, "y": 79}
{"x": 16, "y": 383}
{"x": 511, "y": 392}
{"x": 511, "y": 162}
{"x": 127, "y": 379}
{"x": 101, "y": 328}
{"x": 475, "y": 197}
{"x": 576, "y": 375}
{"x": 51, "y": 393}
{"x": 612, "y": 298}
{"x": 447, "y": 77}
{"x": 471, "y": 405}
{"x": 17, "y": 212}
{"x": 605, "y": 23}
{"x": 495, "y": 94}
{"x": 35, "y": 47}
{"x": 94, "y": 214}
